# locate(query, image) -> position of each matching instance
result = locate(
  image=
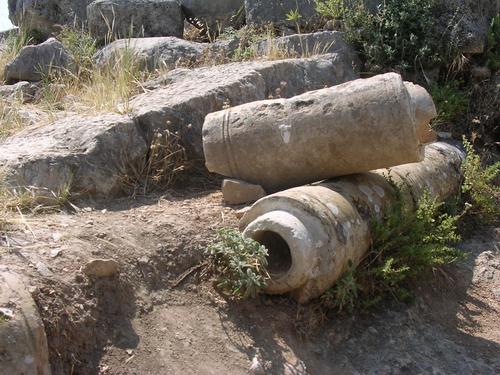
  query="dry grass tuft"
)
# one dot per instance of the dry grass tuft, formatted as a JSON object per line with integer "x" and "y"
{"x": 161, "y": 168}
{"x": 10, "y": 120}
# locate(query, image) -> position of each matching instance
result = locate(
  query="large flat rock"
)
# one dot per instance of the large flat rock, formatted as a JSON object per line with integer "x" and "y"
{"x": 188, "y": 96}
{"x": 84, "y": 154}
{"x": 91, "y": 154}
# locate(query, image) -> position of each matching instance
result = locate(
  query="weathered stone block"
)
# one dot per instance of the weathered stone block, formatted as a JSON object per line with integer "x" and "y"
{"x": 36, "y": 61}
{"x": 239, "y": 192}
{"x": 109, "y": 20}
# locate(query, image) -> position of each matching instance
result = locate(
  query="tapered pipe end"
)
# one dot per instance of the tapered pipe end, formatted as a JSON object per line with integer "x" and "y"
{"x": 425, "y": 111}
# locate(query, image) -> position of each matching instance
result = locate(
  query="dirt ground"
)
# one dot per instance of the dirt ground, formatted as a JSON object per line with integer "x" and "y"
{"x": 158, "y": 316}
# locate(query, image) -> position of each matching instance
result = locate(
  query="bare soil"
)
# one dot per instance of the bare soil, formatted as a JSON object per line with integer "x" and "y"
{"x": 160, "y": 316}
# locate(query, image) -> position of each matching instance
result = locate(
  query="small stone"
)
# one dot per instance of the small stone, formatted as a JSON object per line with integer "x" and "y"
{"x": 480, "y": 73}
{"x": 256, "y": 367}
{"x": 55, "y": 252}
{"x": 129, "y": 351}
{"x": 444, "y": 135}
{"x": 239, "y": 192}
{"x": 101, "y": 268}
{"x": 6, "y": 313}
{"x": 56, "y": 236}
{"x": 43, "y": 269}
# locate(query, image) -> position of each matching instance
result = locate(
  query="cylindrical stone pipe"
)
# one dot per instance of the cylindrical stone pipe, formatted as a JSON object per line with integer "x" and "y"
{"x": 312, "y": 232}
{"x": 350, "y": 128}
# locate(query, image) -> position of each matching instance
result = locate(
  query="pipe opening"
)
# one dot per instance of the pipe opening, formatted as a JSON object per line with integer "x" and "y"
{"x": 279, "y": 259}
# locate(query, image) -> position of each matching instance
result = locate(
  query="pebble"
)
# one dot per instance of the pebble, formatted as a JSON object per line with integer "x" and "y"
{"x": 256, "y": 367}
{"x": 101, "y": 268}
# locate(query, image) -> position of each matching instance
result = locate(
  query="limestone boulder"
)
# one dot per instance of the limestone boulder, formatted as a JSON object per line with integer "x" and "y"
{"x": 22, "y": 91}
{"x": 152, "y": 53}
{"x": 214, "y": 14}
{"x": 41, "y": 16}
{"x": 183, "y": 98}
{"x": 262, "y": 12}
{"x": 92, "y": 154}
{"x": 303, "y": 45}
{"x": 109, "y": 20}
{"x": 36, "y": 61}
{"x": 88, "y": 155}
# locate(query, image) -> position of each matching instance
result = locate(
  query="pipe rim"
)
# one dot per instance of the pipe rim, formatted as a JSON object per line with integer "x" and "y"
{"x": 298, "y": 238}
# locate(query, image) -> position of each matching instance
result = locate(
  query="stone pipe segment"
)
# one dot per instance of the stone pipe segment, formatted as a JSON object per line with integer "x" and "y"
{"x": 312, "y": 232}
{"x": 350, "y": 128}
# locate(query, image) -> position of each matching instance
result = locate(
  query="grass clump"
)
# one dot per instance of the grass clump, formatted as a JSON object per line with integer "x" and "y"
{"x": 105, "y": 88}
{"x": 82, "y": 47}
{"x": 406, "y": 244}
{"x": 479, "y": 188}
{"x": 239, "y": 262}
{"x": 10, "y": 120}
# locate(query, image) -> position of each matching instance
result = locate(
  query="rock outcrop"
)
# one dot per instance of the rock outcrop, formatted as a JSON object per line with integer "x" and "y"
{"x": 92, "y": 154}
{"x": 34, "y": 62}
{"x": 109, "y": 20}
{"x": 152, "y": 53}
{"x": 262, "y": 12}
{"x": 304, "y": 45}
{"x": 214, "y": 14}
{"x": 42, "y": 15}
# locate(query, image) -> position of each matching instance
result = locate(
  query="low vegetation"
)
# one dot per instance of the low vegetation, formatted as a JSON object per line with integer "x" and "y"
{"x": 481, "y": 192}
{"x": 239, "y": 263}
{"x": 451, "y": 102}
{"x": 401, "y": 36}
{"x": 10, "y": 119}
{"x": 405, "y": 244}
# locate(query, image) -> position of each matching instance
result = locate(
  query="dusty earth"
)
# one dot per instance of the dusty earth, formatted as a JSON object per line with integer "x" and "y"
{"x": 161, "y": 315}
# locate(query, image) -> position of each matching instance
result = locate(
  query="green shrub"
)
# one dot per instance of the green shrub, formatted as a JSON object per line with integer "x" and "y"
{"x": 479, "y": 187}
{"x": 493, "y": 48}
{"x": 333, "y": 9}
{"x": 400, "y": 36}
{"x": 451, "y": 102}
{"x": 240, "y": 263}
{"x": 406, "y": 243}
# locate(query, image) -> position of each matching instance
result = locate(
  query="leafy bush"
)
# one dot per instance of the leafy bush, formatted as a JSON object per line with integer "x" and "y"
{"x": 405, "y": 244}
{"x": 451, "y": 102}
{"x": 493, "y": 49}
{"x": 479, "y": 187}
{"x": 240, "y": 263}
{"x": 334, "y": 9}
{"x": 400, "y": 36}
